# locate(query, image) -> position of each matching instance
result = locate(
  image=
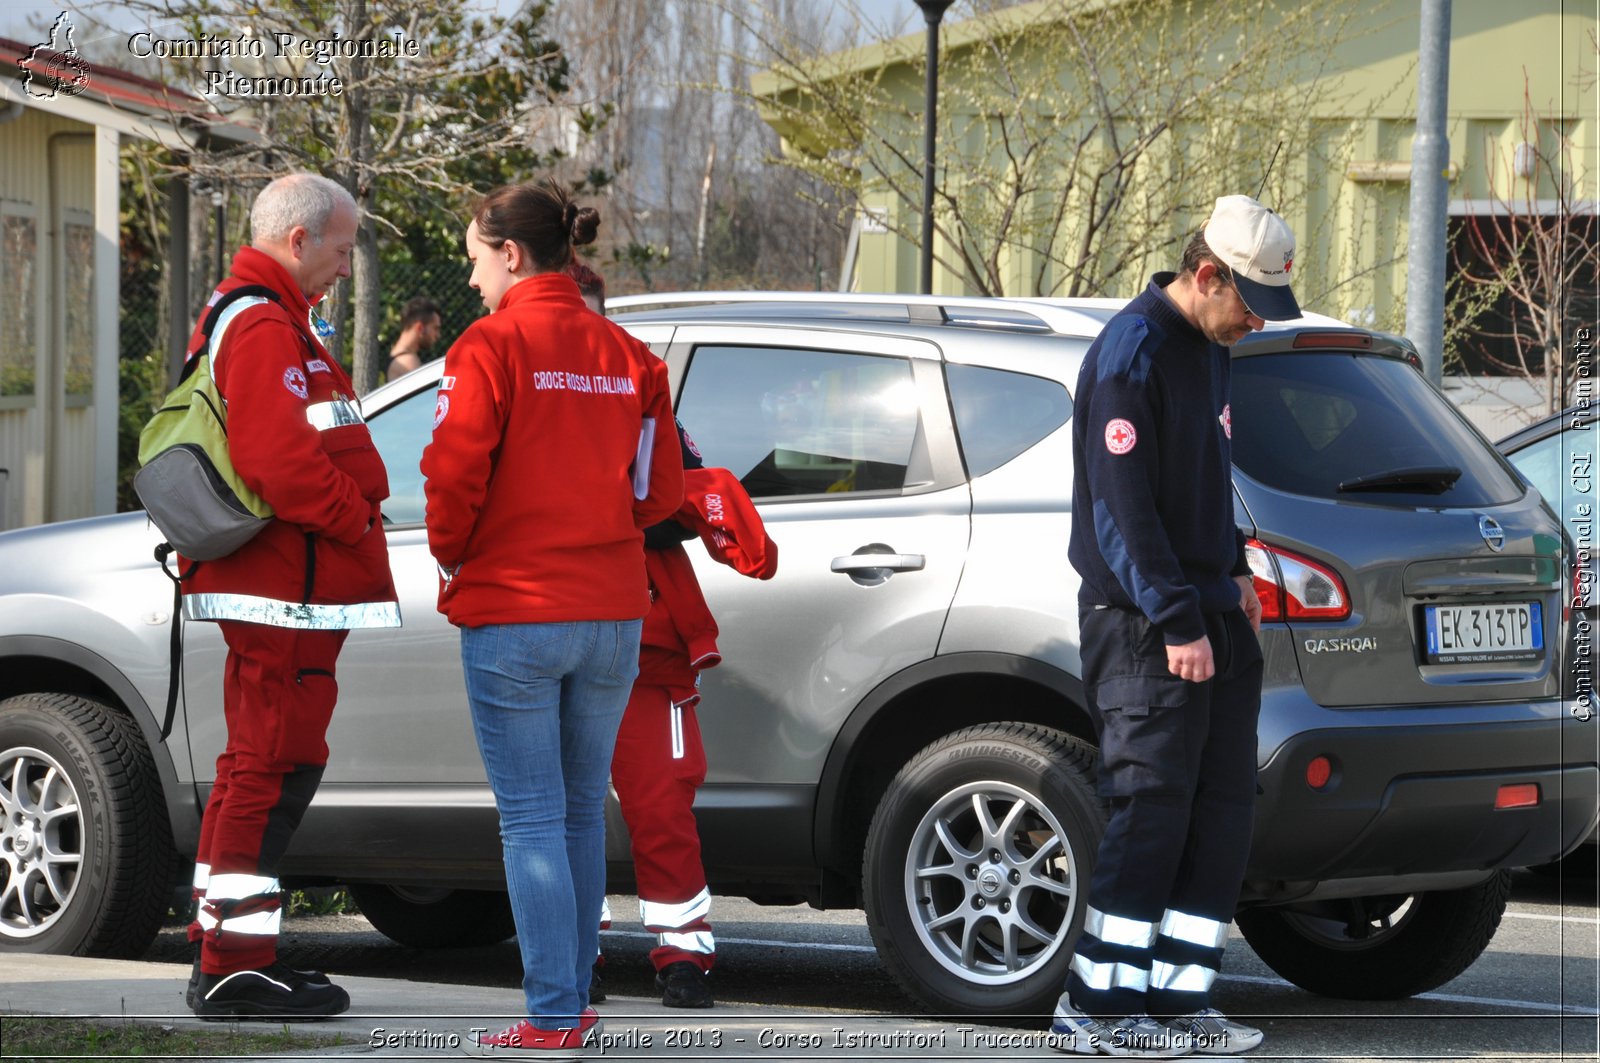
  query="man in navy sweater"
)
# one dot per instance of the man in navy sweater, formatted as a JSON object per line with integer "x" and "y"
{"x": 1171, "y": 663}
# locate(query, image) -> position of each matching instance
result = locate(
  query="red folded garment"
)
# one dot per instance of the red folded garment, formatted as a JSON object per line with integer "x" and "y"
{"x": 716, "y": 507}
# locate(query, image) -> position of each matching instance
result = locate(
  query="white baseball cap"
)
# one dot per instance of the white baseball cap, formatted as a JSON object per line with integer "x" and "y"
{"x": 1258, "y": 248}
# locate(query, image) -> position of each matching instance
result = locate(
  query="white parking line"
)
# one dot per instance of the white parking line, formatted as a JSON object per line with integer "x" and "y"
{"x": 1553, "y": 918}
{"x": 1250, "y": 979}
{"x": 822, "y": 946}
{"x": 1450, "y": 998}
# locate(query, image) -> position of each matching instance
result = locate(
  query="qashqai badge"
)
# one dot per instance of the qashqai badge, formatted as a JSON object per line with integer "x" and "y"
{"x": 1492, "y": 533}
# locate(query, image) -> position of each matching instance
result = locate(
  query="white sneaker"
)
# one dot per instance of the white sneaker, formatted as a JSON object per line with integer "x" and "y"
{"x": 1214, "y": 1034}
{"x": 1136, "y": 1035}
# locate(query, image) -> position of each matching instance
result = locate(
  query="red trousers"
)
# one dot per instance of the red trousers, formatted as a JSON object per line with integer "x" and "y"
{"x": 658, "y": 764}
{"x": 278, "y": 693}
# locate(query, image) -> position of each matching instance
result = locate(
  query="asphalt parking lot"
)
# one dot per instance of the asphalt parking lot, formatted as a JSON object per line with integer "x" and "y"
{"x": 1533, "y": 995}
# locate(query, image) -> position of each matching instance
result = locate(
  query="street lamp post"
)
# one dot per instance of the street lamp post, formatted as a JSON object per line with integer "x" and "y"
{"x": 933, "y": 11}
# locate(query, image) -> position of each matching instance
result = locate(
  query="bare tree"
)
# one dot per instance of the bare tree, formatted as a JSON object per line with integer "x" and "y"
{"x": 695, "y": 200}
{"x": 1526, "y": 267}
{"x": 1078, "y": 141}
{"x": 404, "y": 104}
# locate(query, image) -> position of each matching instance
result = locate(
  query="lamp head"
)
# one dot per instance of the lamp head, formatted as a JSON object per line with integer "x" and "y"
{"x": 933, "y": 10}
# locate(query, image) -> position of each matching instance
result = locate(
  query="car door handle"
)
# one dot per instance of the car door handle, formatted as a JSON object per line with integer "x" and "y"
{"x": 892, "y": 562}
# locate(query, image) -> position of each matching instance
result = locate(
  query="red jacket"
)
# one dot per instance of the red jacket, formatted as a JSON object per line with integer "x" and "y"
{"x": 296, "y": 437}
{"x": 680, "y": 635}
{"x": 532, "y": 511}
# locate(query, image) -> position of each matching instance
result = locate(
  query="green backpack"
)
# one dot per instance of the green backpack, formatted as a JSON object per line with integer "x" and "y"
{"x": 186, "y": 478}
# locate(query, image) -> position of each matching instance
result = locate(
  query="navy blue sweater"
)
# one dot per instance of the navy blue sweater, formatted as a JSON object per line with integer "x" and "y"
{"x": 1152, "y": 494}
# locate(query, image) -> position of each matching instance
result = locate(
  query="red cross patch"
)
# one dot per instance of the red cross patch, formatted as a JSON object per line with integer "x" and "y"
{"x": 1120, "y": 436}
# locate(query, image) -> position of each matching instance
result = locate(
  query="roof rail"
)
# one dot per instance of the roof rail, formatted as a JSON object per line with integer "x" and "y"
{"x": 1067, "y": 320}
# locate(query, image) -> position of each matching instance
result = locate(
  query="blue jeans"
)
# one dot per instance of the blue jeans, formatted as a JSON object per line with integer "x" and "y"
{"x": 546, "y": 701}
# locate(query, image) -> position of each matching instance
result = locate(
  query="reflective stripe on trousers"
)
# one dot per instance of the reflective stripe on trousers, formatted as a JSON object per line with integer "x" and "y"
{"x": 681, "y": 926}
{"x": 675, "y": 725}
{"x": 1103, "y": 976}
{"x": 658, "y": 915}
{"x": 1117, "y": 930}
{"x": 223, "y": 892}
{"x": 1182, "y": 978}
{"x": 1195, "y": 929}
{"x": 699, "y": 941}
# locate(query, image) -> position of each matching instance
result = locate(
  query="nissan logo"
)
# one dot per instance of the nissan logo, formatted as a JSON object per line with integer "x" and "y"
{"x": 1492, "y": 533}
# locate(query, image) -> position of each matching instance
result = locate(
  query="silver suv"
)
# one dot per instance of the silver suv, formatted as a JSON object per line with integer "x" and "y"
{"x": 898, "y": 724}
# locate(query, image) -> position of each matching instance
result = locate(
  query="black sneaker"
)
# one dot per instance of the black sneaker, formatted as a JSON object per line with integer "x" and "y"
{"x": 275, "y": 993}
{"x": 683, "y": 985}
{"x": 597, "y": 988}
{"x": 308, "y": 977}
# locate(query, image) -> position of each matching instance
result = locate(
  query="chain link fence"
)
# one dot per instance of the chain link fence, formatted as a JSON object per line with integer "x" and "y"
{"x": 142, "y": 367}
{"x": 443, "y": 282}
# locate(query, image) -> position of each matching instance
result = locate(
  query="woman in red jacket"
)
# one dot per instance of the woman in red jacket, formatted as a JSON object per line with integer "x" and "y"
{"x": 553, "y": 447}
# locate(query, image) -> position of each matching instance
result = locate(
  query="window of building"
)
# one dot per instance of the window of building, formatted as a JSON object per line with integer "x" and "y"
{"x": 19, "y": 290}
{"x": 1513, "y": 267}
{"x": 77, "y": 288}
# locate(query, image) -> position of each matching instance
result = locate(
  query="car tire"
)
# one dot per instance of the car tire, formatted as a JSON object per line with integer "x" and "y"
{"x": 977, "y": 868}
{"x": 426, "y": 918}
{"x": 86, "y": 854}
{"x": 1379, "y": 948}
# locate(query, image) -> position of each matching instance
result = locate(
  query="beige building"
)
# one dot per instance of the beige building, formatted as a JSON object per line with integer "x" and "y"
{"x": 62, "y": 124}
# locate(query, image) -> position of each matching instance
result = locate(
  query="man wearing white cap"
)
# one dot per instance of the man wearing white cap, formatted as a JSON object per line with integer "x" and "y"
{"x": 1172, "y": 667}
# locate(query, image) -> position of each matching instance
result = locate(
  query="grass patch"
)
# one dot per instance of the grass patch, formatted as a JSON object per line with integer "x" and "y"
{"x": 25, "y": 1037}
{"x": 322, "y": 900}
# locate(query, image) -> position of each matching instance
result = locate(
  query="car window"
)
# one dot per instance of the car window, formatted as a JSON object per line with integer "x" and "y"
{"x": 1561, "y": 466}
{"x": 1545, "y": 464}
{"x": 1320, "y": 424}
{"x": 400, "y": 431}
{"x": 802, "y": 422}
{"x": 1000, "y": 414}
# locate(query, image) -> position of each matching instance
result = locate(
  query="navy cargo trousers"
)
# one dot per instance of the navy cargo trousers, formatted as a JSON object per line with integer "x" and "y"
{"x": 1178, "y": 766}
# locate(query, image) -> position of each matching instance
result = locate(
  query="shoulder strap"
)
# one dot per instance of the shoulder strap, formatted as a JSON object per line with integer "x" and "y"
{"x": 214, "y": 312}
{"x": 175, "y": 646}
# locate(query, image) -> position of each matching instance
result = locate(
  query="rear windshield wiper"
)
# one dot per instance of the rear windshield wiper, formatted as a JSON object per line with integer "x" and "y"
{"x": 1432, "y": 479}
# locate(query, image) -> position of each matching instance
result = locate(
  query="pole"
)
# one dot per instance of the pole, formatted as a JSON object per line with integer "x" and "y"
{"x": 220, "y": 221}
{"x": 178, "y": 323}
{"x": 933, "y": 11}
{"x": 1430, "y": 189}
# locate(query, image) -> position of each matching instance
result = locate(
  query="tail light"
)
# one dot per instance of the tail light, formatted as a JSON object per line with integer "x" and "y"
{"x": 1292, "y": 587}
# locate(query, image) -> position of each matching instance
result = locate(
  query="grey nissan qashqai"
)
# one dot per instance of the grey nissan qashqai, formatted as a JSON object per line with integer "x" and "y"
{"x": 898, "y": 723}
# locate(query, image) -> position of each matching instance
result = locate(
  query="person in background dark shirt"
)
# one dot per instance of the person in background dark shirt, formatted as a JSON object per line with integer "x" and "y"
{"x": 419, "y": 331}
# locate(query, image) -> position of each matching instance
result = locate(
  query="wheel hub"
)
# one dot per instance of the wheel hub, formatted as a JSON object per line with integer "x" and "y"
{"x": 24, "y": 840}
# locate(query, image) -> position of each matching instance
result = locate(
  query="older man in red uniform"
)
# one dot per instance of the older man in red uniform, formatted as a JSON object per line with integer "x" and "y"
{"x": 286, "y": 600}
